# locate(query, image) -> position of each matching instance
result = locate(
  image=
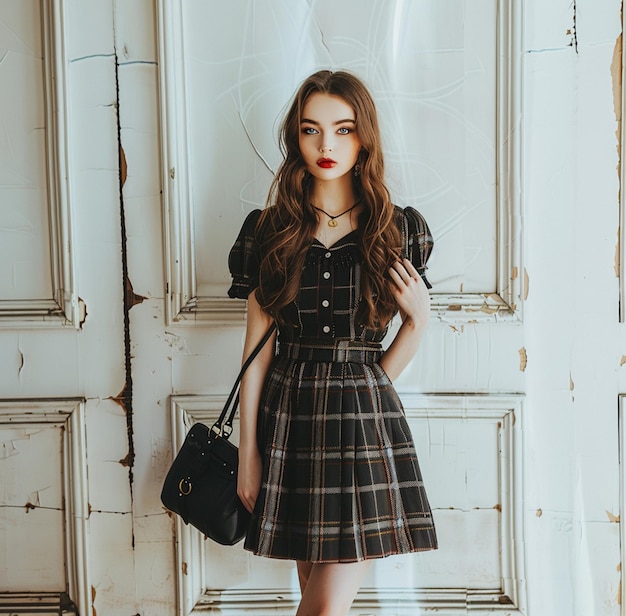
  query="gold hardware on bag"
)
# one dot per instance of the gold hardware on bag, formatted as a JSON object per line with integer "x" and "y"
{"x": 184, "y": 486}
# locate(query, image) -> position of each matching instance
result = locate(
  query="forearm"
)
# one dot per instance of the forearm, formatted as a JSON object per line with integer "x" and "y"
{"x": 257, "y": 325}
{"x": 414, "y": 303}
{"x": 404, "y": 346}
{"x": 249, "y": 399}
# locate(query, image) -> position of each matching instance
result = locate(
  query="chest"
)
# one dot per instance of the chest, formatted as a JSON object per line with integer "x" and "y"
{"x": 329, "y": 296}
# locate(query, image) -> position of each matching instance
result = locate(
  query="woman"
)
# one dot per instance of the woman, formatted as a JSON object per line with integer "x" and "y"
{"x": 327, "y": 465}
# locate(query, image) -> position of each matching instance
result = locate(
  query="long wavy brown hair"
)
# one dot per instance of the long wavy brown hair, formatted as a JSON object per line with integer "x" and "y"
{"x": 287, "y": 226}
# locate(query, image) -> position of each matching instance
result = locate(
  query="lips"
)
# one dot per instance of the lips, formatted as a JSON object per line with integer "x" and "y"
{"x": 326, "y": 163}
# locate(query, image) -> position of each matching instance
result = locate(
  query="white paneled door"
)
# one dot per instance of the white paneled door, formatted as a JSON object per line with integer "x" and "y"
{"x": 445, "y": 76}
{"x": 134, "y": 139}
{"x": 136, "y": 136}
{"x": 65, "y": 498}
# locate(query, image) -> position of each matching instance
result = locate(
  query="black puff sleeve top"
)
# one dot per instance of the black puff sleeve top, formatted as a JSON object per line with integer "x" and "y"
{"x": 330, "y": 281}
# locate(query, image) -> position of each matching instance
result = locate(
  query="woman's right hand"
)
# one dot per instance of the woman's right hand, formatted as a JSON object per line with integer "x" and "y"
{"x": 249, "y": 477}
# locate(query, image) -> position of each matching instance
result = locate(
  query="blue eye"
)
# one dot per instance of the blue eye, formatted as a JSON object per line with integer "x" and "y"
{"x": 344, "y": 131}
{"x": 308, "y": 130}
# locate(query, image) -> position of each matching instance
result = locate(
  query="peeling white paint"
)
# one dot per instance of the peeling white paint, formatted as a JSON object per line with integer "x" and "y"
{"x": 570, "y": 335}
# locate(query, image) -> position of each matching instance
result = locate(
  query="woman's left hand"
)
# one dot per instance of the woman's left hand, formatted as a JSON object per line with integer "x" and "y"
{"x": 410, "y": 291}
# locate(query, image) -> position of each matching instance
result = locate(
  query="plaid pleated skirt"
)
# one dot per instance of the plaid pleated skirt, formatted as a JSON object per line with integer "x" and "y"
{"x": 341, "y": 480}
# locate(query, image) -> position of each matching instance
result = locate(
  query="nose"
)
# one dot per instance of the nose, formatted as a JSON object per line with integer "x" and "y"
{"x": 327, "y": 142}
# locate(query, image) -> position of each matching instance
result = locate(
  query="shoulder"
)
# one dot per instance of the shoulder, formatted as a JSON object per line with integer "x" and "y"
{"x": 251, "y": 221}
{"x": 417, "y": 240}
{"x": 244, "y": 257}
{"x": 259, "y": 224}
{"x": 410, "y": 221}
{"x": 256, "y": 227}
{"x": 246, "y": 241}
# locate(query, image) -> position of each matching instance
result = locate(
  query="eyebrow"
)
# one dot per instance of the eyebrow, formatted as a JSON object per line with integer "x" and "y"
{"x": 307, "y": 121}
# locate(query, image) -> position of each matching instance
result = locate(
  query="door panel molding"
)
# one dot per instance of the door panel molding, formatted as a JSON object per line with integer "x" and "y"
{"x": 67, "y": 415}
{"x": 622, "y": 496}
{"x": 64, "y": 308}
{"x": 180, "y": 284}
{"x": 620, "y": 255}
{"x": 184, "y": 304}
{"x": 501, "y": 418}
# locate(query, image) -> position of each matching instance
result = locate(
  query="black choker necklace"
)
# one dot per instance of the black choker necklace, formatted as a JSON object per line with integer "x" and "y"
{"x": 333, "y": 219}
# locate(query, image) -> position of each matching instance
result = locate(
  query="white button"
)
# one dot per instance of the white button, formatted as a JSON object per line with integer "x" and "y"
{"x": 328, "y": 255}
{"x": 325, "y": 303}
{"x": 326, "y": 329}
{"x": 326, "y": 275}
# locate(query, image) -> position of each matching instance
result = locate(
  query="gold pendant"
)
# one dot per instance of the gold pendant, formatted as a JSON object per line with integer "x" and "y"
{"x": 332, "y": 223}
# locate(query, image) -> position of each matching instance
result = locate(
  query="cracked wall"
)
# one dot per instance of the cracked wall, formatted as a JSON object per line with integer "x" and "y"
{"x": 567, "y": 356}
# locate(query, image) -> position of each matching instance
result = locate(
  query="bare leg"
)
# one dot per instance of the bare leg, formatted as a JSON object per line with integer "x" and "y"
{"x": 304, "y": 570}
{"x": 331, "y": 588}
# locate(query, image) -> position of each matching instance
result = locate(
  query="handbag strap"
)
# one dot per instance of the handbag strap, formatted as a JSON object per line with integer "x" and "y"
{"x": 225, "y": 428}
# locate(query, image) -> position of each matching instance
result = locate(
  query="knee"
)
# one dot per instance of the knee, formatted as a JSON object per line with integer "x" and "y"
{"x": 303, "y": 578}
{"x": 324, "y": 606}
{"x": 304, "y": 571}
{"x": 322, "y": 610}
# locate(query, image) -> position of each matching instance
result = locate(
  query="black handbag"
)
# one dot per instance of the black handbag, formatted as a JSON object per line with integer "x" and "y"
{"x": 201, "y": 484}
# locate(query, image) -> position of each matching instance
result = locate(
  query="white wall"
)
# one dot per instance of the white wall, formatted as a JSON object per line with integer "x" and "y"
{"x": 573, "y": 338}
{"x": 567, "y": 466}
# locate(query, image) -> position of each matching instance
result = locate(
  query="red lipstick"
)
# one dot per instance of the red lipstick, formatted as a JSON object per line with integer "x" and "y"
{"x": 326, "y": 163}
